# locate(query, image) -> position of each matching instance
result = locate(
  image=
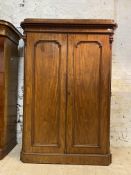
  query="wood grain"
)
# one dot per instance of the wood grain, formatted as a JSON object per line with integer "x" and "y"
{"x": 67, "y": 91}
{"x": 9, "y": 37}
{"x": 46, "y": 97}
{"x": 84, "y": 73}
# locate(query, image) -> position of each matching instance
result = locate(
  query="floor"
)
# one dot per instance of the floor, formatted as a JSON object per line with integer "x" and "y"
{"x": 11, "y": 165}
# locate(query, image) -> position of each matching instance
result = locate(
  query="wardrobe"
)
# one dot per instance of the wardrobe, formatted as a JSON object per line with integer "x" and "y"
{"x": 67, "y": 91}
{"x": 9, "y": 39}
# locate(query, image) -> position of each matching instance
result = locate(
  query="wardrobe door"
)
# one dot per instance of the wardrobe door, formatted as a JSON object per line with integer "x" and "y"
{"x": 88, "y": 91}
{"x": 45, "y": 93}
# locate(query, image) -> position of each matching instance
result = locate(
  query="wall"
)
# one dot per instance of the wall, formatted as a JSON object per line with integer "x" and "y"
{"x": 121, "y": 76}
{"x": 15, "y": 11}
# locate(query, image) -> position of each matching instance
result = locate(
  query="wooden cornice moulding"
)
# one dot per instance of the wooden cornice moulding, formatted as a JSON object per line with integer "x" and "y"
{"x": 105, "y": 23}
{"x": 9, "y": 30}
{"x": 88, "y": 25}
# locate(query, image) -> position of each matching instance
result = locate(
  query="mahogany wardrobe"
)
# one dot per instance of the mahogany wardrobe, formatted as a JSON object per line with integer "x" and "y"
{"x": 67, "y": 90}
{"x": 9, "y": 39}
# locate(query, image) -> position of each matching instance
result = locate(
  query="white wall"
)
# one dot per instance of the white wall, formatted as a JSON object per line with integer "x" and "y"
{"x": 121, "y": 76}
{"x": 15, "y": 11}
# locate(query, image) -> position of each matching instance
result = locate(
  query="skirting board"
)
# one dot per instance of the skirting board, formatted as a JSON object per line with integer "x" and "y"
{"x": 81, "y": 159}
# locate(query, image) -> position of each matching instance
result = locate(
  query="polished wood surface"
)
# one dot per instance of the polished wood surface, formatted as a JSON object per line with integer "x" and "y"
{"x": 48, "y": 74}
{"x": 67, "y": 91}
{"x": 8, "y": 86}
{"x": 84, "y": 93}
{"x": 69, "y": 23}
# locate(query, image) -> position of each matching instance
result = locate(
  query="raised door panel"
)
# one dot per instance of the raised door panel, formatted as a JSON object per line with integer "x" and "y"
{"x": 45, "y": 79}
{"x": 88, "y": 98}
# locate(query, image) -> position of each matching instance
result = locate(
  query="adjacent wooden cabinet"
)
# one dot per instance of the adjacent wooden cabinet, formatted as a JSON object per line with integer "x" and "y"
{"x": 67, "y": 91}
{"x": 9, "y": 37}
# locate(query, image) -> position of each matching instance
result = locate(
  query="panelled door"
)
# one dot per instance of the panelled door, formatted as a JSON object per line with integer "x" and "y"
{"x": 87, "y": 93}
{"x": 45, "y": 92}
{"x": 66, "y": 93}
